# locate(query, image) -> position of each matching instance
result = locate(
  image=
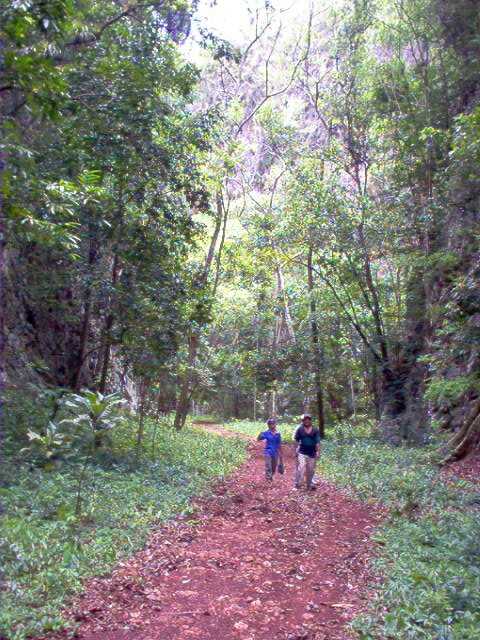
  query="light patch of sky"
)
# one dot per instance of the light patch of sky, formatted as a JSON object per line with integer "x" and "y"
{"x": 229, "y": 19}
{"x": 233, "y": 20}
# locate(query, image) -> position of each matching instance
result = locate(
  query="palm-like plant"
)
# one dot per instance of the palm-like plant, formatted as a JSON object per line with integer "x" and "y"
{"x": 94, "y": 411}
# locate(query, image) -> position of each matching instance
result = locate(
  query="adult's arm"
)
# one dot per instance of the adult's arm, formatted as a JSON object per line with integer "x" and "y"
{"x": 317, "y": 444}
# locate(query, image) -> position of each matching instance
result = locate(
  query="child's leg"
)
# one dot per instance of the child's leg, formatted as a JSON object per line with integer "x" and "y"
{"x": 268, "y": 467}
{"x": 274, "y": 463}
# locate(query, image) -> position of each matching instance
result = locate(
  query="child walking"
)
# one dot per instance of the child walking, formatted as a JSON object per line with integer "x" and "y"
{"x": 273, "y": 449}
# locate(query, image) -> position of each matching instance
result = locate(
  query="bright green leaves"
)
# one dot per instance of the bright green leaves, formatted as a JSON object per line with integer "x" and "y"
{"x": 48, "y": 552}
{"x": 103, "y": 175}
{"x": 32, "y": 32}
{"x": 79, "y": 425}
{"x": 429, "y": 545}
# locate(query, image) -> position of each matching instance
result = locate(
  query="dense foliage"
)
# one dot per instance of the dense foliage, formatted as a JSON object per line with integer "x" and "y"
{"x": 257, "y": 237}
{"x": 350, "y": 281}
{"x": 288, "y": 223}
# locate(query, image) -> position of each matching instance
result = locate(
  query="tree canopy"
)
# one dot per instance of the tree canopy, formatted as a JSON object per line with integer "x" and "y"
{"x": 284, "y": 224}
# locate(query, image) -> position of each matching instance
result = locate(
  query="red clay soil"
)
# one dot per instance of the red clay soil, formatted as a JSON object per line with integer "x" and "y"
{"x": 256, "y": 561}
{"x": 466, "y": 469}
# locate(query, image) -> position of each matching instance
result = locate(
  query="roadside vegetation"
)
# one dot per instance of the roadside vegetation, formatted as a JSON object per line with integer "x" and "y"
{"x": 72, "y": 517}
{"x": 429, "y": 545}
{"x": 253, "y": 428}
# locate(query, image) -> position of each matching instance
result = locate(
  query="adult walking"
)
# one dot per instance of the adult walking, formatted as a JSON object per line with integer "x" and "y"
{"x": 308, "y": 439}
{"x": 273, "y": 449}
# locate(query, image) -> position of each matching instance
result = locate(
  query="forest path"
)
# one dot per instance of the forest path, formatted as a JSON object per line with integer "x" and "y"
{"x": 255, "y": 561}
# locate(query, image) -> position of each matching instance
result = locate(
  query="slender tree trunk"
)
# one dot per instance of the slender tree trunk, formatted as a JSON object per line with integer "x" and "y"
{"x": 114, "y": 280}
{"x": 183, "y": 404}
{"x": 376, "y": 307}
{"x": 108, "y": 328}
{"x": 159, "y": 411}
{"x": 225, "y": 210}
{"x": 87, "y": 311}
{"x": 141, "y": 421}
{"x": 317, "y": 356}
{"x": 352, "y": 395}
{"x": 255, "y": 386}
{"x": 273, "y": 402}
{"x": 335, "y": 404}
{"x": 184, "y": 398}
{"x": 236, "y": 404}
{"x": 402, "y": 406}
{"x": 83, "y": 339}
{"x": 374, "y": 384}
{"x": 3, "y": 306}
{"x": 285, "y": 324}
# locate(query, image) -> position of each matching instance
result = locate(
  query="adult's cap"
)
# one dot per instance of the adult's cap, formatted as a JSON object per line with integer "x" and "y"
{"x": 306, "y": 415}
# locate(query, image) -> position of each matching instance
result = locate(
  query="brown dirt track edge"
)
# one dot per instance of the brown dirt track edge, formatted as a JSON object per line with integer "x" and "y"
{"x": 255, "y": 561}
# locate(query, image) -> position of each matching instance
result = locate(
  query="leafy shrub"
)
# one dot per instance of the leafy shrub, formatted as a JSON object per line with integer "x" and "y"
{"x": 449, "y": 390}
{"x": 29, "y": 410}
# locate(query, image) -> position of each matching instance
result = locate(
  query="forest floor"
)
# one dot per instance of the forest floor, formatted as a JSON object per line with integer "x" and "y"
{"x": 254, "y": 560}
{"x": 466, "y": 469}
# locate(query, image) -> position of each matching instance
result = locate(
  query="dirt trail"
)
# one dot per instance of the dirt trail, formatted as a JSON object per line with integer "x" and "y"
{"x": 256, "y": 561}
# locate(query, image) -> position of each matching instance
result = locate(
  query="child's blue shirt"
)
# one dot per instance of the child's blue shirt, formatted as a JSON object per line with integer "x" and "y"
{"x": 272, "y": 442}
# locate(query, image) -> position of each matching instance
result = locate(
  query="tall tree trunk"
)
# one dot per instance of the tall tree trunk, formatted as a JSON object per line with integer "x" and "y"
{"x": 353, "y": 399}
{"x": 403, "y": 409}
{"x": 84, "y": 333}
{"x": 255, "y": 386}
{"x": 273, "y": 401}
{"x": 183, "y": 403}
{"x": 285, "y": 324}
{"x": 185, "y": 395}
{"x": 317, "y": 356}
{"x": 141, "y": 421}
{"x": 3, "y": 305}
{"x": 236, "y": 404}
{"x": 108, "y": 328}
{"x": 335, "y": 404}
{"x": 87, "y": 312}
{"x": 375, "y": 306}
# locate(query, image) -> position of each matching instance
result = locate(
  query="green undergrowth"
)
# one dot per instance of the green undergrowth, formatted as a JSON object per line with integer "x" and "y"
{"x": 205, "y": 419}
{"x": 429, "y": 544}
{"x": 252, "y": 428}
{"x": 47, "y": 549}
